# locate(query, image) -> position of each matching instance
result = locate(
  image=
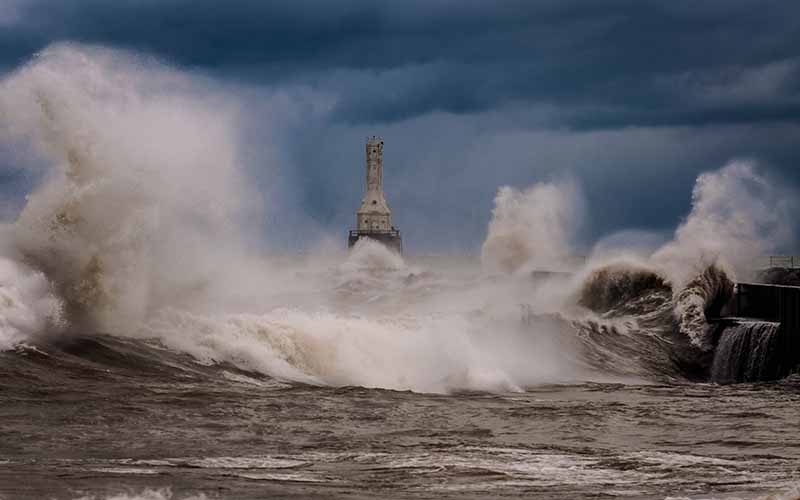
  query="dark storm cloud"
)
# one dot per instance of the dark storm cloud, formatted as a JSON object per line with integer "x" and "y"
{"x": 609, "y": 64}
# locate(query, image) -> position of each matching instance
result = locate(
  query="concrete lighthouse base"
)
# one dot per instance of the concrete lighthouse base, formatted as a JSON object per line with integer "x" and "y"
{"x": 390, "y": 238}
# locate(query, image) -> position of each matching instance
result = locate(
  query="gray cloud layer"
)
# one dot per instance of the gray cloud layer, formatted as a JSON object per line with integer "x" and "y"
{"x": 611, "y": 63}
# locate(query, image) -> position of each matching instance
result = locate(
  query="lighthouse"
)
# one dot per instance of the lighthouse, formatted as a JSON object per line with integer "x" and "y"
{"x": 373, "y": 217}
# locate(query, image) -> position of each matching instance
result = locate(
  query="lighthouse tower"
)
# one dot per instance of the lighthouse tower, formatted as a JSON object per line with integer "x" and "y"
{"x": 373, "y": 218}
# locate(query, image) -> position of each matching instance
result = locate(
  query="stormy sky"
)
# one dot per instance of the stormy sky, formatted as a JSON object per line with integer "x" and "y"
{"x": 631, "y": 98}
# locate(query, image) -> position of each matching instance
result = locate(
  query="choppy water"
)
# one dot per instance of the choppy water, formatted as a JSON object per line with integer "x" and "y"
{"x": 103, "y": 416}
{"x": 148, "y": 350}
{"x": 602, "y": 398}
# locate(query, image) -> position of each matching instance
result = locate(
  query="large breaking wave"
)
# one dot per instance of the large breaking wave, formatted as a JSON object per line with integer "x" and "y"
{"x": 138, "y": 227}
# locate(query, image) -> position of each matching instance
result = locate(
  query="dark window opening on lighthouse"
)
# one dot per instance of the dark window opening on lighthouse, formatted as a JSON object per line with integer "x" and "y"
{"x": 374, "y": 202}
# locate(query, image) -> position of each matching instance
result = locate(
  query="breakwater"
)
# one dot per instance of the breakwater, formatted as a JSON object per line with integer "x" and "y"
{"x": 758, "y": 335}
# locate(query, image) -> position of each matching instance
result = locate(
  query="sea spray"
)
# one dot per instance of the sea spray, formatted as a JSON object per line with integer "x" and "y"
{"x": 147, "y": 494}
{"x": 532, "y": 229}
{"x": 429, "y": 354}
{"x": 703, "y": 297}
{"x": 737, "y": 216}
{"x": 28, "y": 305}
{"x": 142, "y": 202}
{"x": 373, "y": 256}
{"x": 137, "y": 225}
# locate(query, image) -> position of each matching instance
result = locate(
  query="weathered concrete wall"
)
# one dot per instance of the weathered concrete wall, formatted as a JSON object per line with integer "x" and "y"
{"x": 768, "y": 302}
{"x": 373, "y": 218}
{"x": 374, "y": 213}
{"x": 376, "y": 221}
{"x": 774, "y": 303}
{"x": 374, "y": 155}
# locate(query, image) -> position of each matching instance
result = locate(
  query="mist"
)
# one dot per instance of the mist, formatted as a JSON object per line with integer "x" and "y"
{"x": 142, "y": 225}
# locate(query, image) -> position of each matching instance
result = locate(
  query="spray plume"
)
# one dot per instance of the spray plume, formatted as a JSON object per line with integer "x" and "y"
{"x": 533, "y": 228}
{"x": 141, "y": 203}
{"x": 137, "y": 228}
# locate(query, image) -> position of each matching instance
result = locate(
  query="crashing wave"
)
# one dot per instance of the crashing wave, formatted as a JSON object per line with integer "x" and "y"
{"x": 702, "y": 297}
{"x": 429, "y": 354}
{"x": 672, "y": 333}
{"x": 141, "y": 171}
{"x": 137, "y": 228}
{"x": 369, "y": 255}
{"x": 28, "y": 306}
{"x": 619, "y": 287}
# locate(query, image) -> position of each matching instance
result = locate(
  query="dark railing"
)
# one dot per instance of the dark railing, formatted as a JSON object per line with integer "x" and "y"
{"x": 389, "y": 237}
{"x": 382, "y": 232}
{"x": 784, "y": 261}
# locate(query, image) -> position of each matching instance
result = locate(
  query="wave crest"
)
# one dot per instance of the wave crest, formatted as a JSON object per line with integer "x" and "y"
{"x": 28, "y": 306}
{"x": 619, "y": 285}
{"x": 702, "y": 297}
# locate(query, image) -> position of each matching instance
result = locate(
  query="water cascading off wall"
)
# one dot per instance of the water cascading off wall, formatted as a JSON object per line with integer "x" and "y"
{"x": 749, "y": 351}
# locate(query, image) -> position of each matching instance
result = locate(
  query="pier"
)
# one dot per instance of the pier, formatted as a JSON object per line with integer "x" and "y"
{"x": 761, "y": 304}
{"x": 776, "y": 303}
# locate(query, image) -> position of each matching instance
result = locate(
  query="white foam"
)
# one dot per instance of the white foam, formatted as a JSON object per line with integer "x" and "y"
{"x": 126, "y": 470}
{"x": 147, "y": 494}
{"x": 140, "y": 223}
{"x": 142, "y": 170}
{"x": 532, "y": 229}
{"x": 737, "y": 216}
{"x": 261, "y": 462}
{"x": 28, "y": 306}
{"x": 426, "y": 354}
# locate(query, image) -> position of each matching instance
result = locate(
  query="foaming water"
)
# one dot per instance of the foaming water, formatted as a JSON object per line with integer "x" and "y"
{"x": 138, "y": 229}
{"x": 370, "y": 256}
{"x": 421, "y": 354}
{"x": 120, "y": 417}
{"x": 147, "y": 494}
{"x": 28, "y": 305}
{"x": 419, "y": 351}
{"x": 155, "y": 355}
